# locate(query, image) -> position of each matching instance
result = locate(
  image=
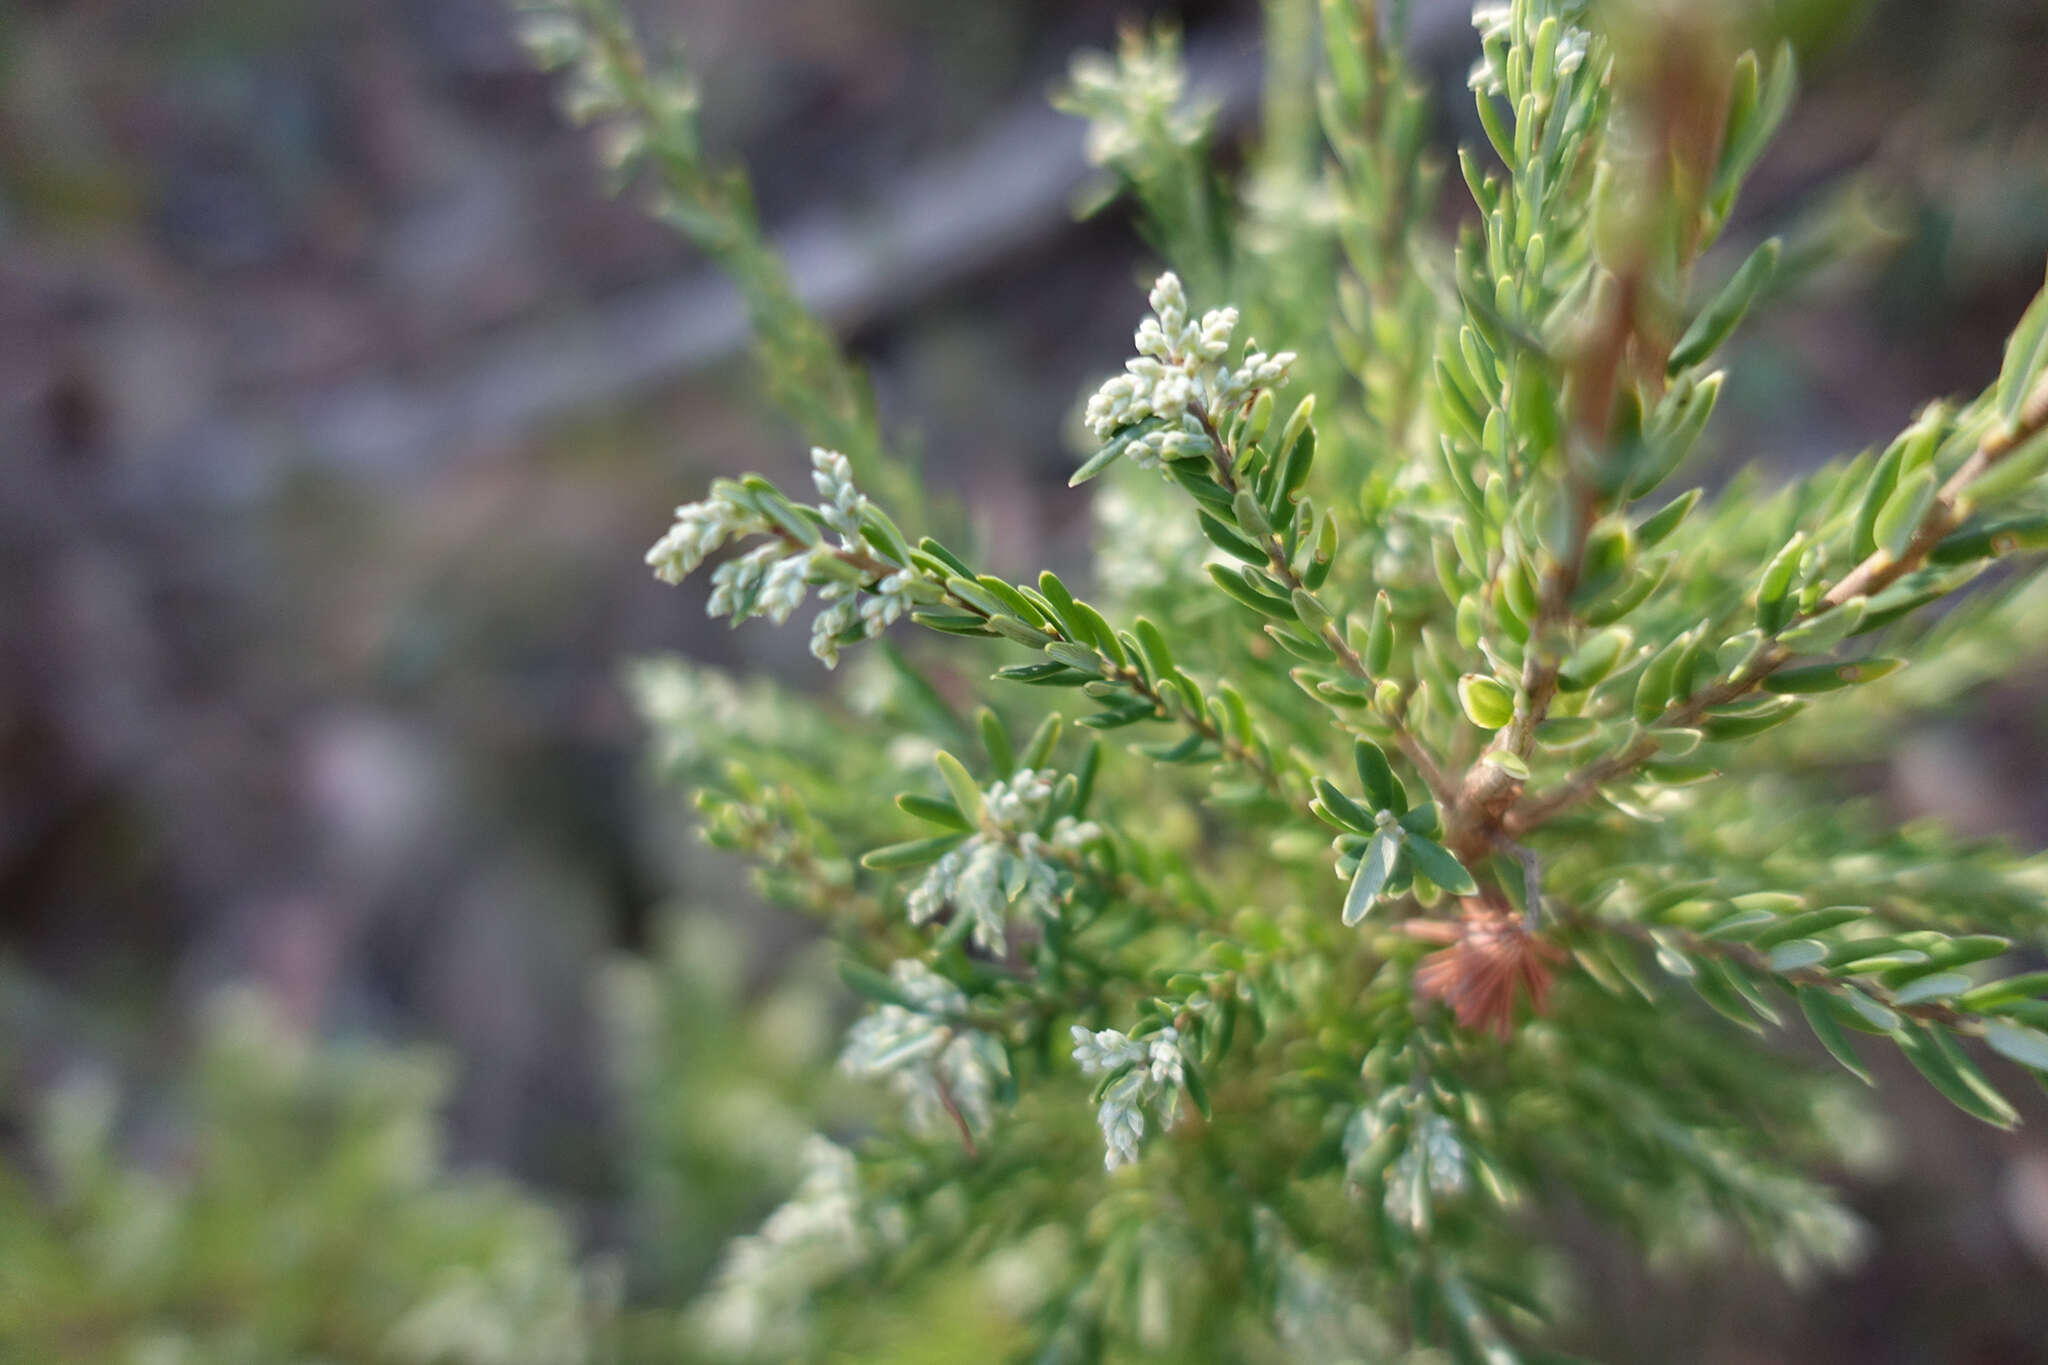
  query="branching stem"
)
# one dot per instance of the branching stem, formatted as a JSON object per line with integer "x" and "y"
{"x": 1877, "y": 572}
{"x": 1281, "y": 567}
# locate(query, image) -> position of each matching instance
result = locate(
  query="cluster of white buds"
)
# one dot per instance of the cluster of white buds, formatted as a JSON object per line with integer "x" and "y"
{"x": 1007, "y": 867}
{"x": 926, "y": 1055}
{"x": 598, "y": 86}
{"x": 552, "y": 36}
{"x": 1015, "y": 802}
{"x": 851, "y": 614}
{"x": 1133, "y": 103}
{"x": 839, "y": 502}
{"x": 765, "y": 581}
{"x": 773, "y": 578}
{"x": 1432, "y": 1163}
{"x": 1180, "y": 378}
{"x": 1496, "y": 30}
{"x": 700, "y": 529}
{"x": 1149, "y": 1077}
{"x": 756, "y": 1308}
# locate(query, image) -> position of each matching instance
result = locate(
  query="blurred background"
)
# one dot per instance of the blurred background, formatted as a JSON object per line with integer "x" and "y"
{"x": 338, "y": 403}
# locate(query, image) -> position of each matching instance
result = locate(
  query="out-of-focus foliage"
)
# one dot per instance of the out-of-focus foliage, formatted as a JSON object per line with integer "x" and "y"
{"x": 721, "y": 1093}
{"x": 296, "y": 1211}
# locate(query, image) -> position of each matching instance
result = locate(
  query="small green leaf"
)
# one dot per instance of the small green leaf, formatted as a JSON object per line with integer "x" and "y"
{"x": 1435, "y": 862}
{"x": 1989, "y": 539}
{"x": 1379, "y": 637}
{"x": 1654, "y": 685}
{"x": 1017, "y": 604}
{"x": 1508, "y": 762}
{"x": 1822, "y": 632}
{"x": 1738, "y": 924}
{"x": 1297, "y": 459}
{"x": 1904, "y": 510}
{"x": 1725, "y": 723}
{"x": 1774, "y": 599}
{"x": 1314, "y": 616}
{"x": 1194, "y": 748}
{"x": 1808, "y": 924}
{"x": 1297, "y": 425}
{"x": 977, "y": 598}
{"x": 1422, "y": 820}
{"x": 995, "y": 740}
{"x": 1720, "y": 317}
{"x": 1348, "y": 812}
{"x": 1374, "y": 870}
{"x": 951, "y": 622}
{"x": 1565, "y": 732}
{"x": 1039, "y": 748}
{"x": 1798, "y": 954}
{"x": 1661, "y": 523}
{"x": 1954, "y": 1075}
{"x": 2026, "y": 358}
{"x": 1828, "y": 677}
{"x": 1300, "y": 646}
{"x": 2027, "y": 1046}
{"x": 1152, "y": 644}
{"x": 932, "y": 809}
{"x": 1075, "y": 656}
{"x": 966, "y": 791}
{"x": 1938, "y": 986}
{"x": 1010, "y": 628}
{"x": 1043, "y": 675}
{"x": 1107, "y": 456}
{"x": 1229, "y": 540}
{"x": 1777, "y": 902}
{"x": 1676, "y": 435}
{"x": 1751, "y": 123}
{"x": 1993, "y": 994}
{"x": 1091, "y": 761}
{"x": 914, "y": 853}
{"x": 1820, "y": 1018}
{"x": 876, "y": 986}
{"x": 1711, "y": 981}
{"x": 1091, "y": 629}
{"x": 2015, "y": 470}
{"x": 1675, "y": 742}
{"x": 1383, "y": 790}
{"x": 1867, "y": 1014}
{"x": 1324, "y": 556}
{"x": 1671, "y": 957}
{"x": 1614, "y": 606}
{"x": 1487, "y": 702}
{"x": 1594, "y": 659}
{"x": 1235, "y": 583}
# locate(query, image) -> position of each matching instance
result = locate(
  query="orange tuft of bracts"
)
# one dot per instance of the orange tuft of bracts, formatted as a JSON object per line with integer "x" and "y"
{"x": 1492, "y": 957}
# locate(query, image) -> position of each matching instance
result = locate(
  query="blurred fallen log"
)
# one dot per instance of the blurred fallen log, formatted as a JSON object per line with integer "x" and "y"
{"x": 943, "y": 223}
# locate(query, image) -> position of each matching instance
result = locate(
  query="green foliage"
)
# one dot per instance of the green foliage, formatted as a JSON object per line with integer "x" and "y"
{"x": 299, "y": 1215}
{"x": 1423, "y": 578}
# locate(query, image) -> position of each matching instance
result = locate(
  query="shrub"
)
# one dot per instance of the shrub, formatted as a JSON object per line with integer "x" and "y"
{"x": 1427, "y": 818}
